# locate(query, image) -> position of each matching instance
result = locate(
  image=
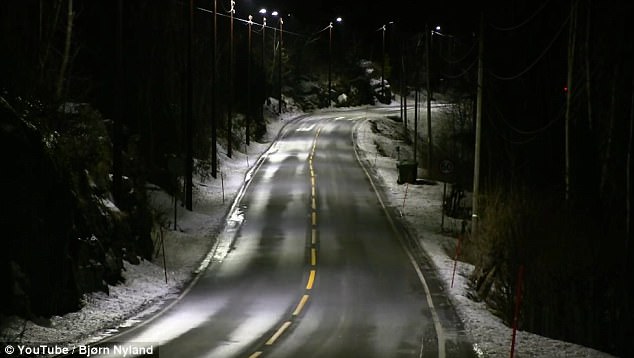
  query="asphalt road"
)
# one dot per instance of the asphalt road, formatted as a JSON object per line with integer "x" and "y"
{"x": 311, "y": 264}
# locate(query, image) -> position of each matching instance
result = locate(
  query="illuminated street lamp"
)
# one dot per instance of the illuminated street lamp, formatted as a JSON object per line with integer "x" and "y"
{"x": 248, "y": 119}
{"x": 279, "y": 69}
{"x": 383, "y": 64}
{"x": 279, "y": 56}
{"x": 263, "y": 13}
{"x": 230, "y": 102}
{"x": 383, "y": 28}
{"x": 214, "y": 110}
{"x": 339, "y": 19}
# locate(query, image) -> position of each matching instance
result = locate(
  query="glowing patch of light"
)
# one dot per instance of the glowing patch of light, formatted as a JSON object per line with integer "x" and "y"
{"x": 235, "y": 220}
{"x": 175, "y": 325}
{"x": 305, "y": 128}
{"x": 260, "y": 201}
{"x": 477, "y": 350}
{"x": 270, "y": 171}
{"x": 255, "y": 326}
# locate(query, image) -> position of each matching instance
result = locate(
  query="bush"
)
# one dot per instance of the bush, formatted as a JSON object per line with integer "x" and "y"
{"x": 570, "y": 289}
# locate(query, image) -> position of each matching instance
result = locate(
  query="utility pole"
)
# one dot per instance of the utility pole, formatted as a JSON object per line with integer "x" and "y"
{"x": 416, "y": 93}
{"x": 627, "y": 291}
{"x": 571, "y": 56}
{"x": 329, "y": 62}
{"x": 230, "y": 101}
{"x": 476, "y": 166}
{"x": 248, "y": 119}
{"x": 416, "y": 98}
{"x": 404, "y": 90}
{"x": 279, "y": 64}
{"x": 429, "y": 94}
{"x": 383, "y": 66}
{"x": 214, "y": 84}
{"x": 118, "y": 123}
{"x": 189, "y": 161}
{"x": 263, "y": 69}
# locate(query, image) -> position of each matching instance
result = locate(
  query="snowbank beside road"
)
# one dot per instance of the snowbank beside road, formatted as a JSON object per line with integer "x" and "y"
{"x": 420, "y": 207}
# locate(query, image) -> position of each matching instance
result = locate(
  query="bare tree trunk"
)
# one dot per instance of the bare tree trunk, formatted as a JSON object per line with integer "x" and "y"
{"x": 65, "y": 58}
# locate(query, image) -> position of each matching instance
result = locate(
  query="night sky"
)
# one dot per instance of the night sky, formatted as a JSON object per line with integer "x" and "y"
{"x": 365, "y": 17}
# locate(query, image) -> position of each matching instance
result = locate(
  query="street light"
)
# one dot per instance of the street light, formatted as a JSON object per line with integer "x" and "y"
{"x": 279, "y": 73}
{"x": 214, "y": 109}
{"x": 279, "y": 56}
{"x": 230, "y": 102}
{"x": 383, "y": 64}
{"x": 248, "y": 119}
{"x": 338, "y": 19}
{"x": 384, "y": 28}
{"x": 263, "y": 13}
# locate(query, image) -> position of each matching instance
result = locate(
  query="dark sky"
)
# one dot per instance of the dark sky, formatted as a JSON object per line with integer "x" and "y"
{"x": 366, "y": 16}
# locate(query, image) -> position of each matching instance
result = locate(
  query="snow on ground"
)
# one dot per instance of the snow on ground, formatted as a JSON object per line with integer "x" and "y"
{"x": 420, "y": 206}
{"x": 145, "y": 289}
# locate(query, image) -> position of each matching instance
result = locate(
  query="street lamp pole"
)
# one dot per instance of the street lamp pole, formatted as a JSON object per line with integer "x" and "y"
{"x": 189, "y": 150}
{"x": 230, "y": 102}
{"x": 214, "y": 84}
{"x": 430, "y": 146}
{"x": 248, "y": 119}
{"x": 263, "y": 12}
{"x": 383, "y": 65}
{"x": 338, "y": 19}
{"x": 329, "y": 63}
{"x": 279, "y": 68}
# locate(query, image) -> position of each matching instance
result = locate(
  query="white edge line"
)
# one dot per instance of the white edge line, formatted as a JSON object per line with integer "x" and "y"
{"x": 437, "y": 325}
{"x": 208, "y": 258}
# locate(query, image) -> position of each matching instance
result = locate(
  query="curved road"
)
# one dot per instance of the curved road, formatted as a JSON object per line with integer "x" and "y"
{"x": 311, "y": 264}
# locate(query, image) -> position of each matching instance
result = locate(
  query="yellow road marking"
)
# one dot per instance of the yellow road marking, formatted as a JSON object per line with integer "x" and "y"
{"x": 314, "y": 218}
{"x": 313, "y": 256}
{"x": 314, "y": 204}
{"x": 300, "y": 305}
{"x": 312, "y": 180}
{"x": 313, "y": 192}
{"x": 313, "y": 240}
{"x": 277, "y": 334}
{"x": 311, "y": 280}
{"x": 256, "y": 354}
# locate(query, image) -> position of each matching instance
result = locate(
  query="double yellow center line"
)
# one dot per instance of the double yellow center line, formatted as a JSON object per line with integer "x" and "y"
{"x": 313, "y": 254}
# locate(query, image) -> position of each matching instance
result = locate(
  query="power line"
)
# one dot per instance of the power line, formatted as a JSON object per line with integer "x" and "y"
{"x": 464, "y": 72}
{"x": 460, "y": 59}
{"x": 523, "y": 23}
{"x": 246, "y": 22}
{"x": 528, "y": 132}
{"x": 529, "y": 67}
